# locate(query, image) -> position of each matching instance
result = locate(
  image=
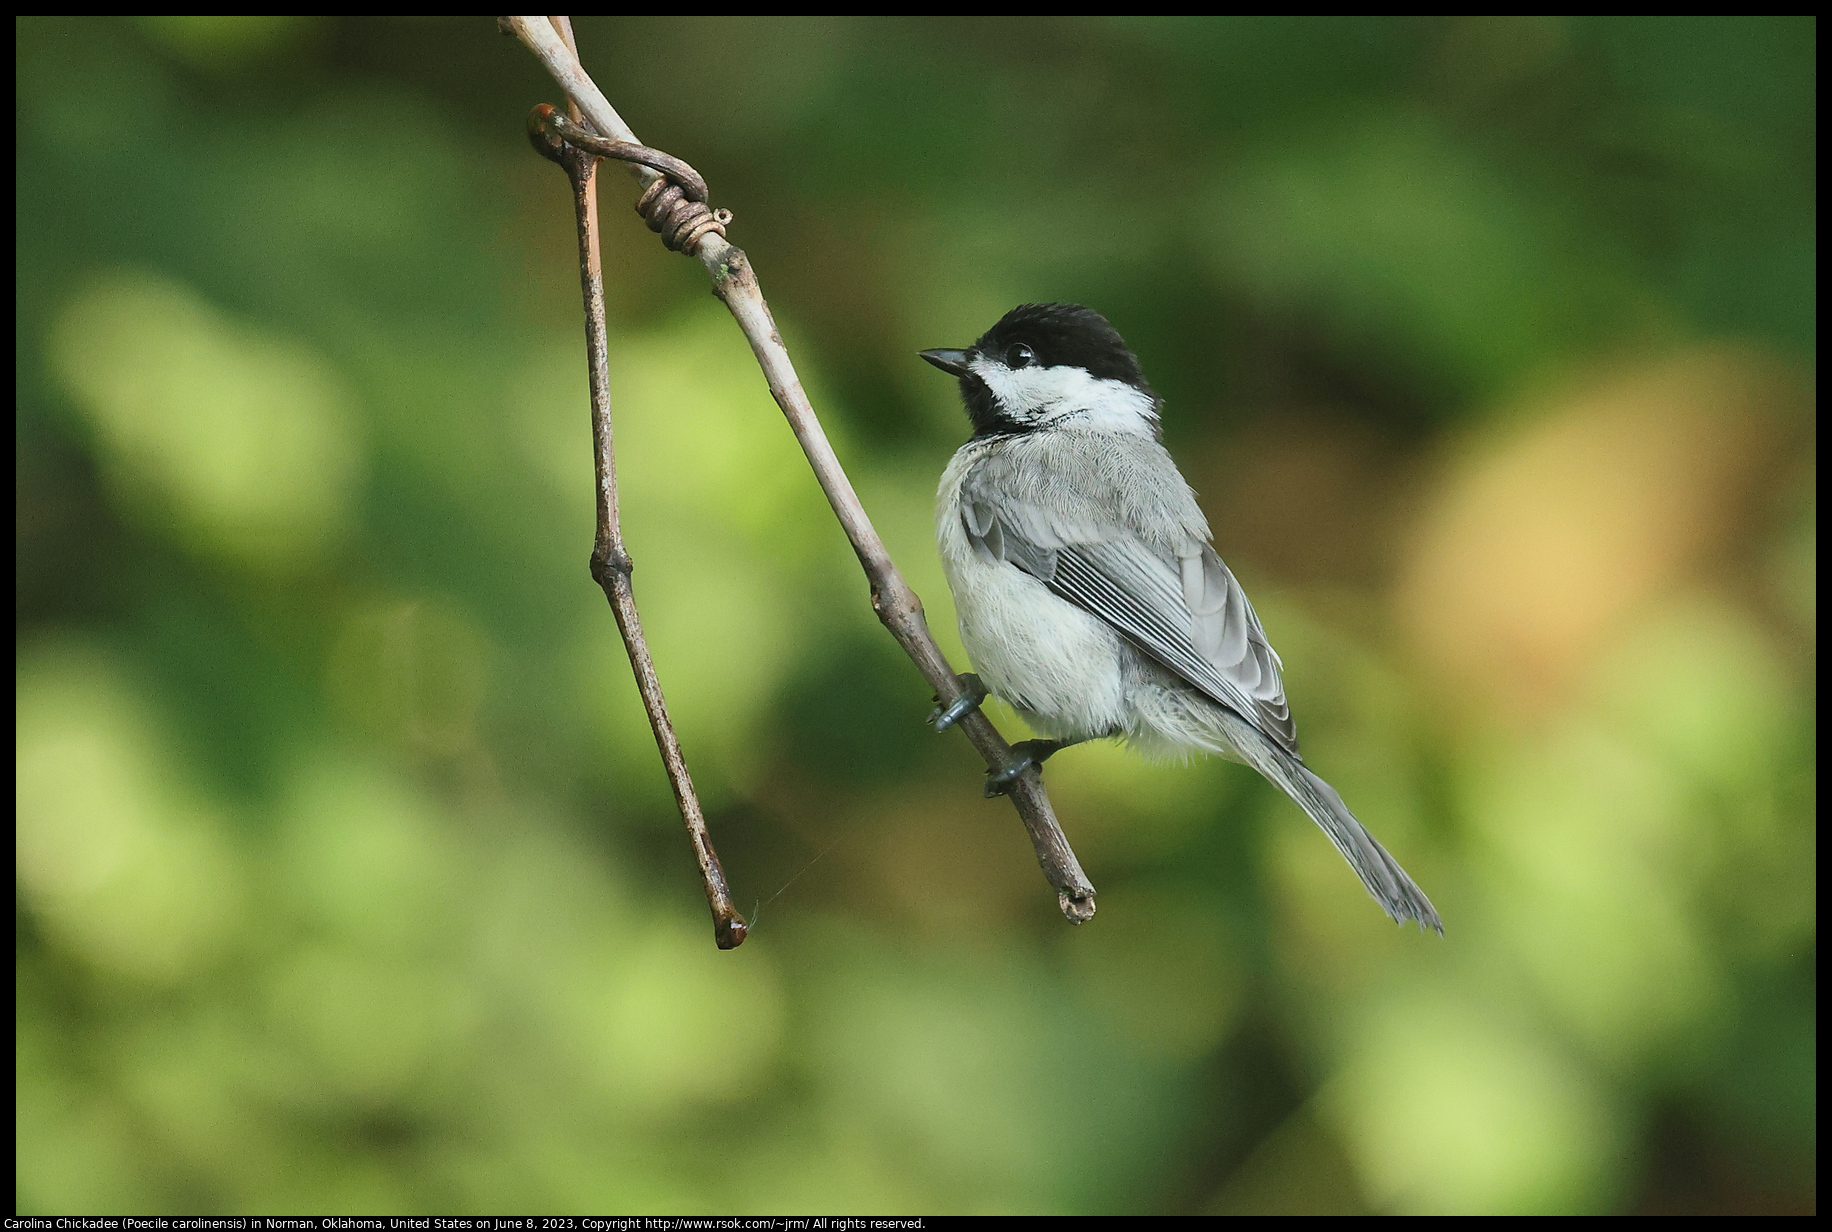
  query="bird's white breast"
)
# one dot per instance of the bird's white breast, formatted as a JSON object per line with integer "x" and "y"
{"x": 1056, "y": 663}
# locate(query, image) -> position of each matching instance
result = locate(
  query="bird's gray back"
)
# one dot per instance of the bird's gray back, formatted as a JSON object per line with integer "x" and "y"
{"x": 1108, "y": 522}
{"x": 1080, "y": 487}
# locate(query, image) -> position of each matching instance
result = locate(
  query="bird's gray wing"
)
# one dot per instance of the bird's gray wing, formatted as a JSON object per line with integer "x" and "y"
{"x": 1178, "y": 603}
{"x": 1182, "y": 607}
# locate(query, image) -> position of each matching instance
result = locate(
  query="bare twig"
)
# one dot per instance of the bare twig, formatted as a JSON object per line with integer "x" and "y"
{"x": 896, "y": 604}
{"x": 611, "y": 564}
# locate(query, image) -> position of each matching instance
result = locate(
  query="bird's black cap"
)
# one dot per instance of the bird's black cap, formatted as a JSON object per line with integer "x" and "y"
{"x": 1065, "y": 334}
{"x": 1057, "y": 335}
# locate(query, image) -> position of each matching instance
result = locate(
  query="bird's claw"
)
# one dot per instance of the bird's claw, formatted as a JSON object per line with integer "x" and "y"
{"x": 1025, "y": 754}
{"x": 973, "y": 692}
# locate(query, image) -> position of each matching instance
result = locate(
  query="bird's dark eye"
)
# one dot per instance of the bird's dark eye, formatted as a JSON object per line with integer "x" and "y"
{"x": 1020, "y": 356}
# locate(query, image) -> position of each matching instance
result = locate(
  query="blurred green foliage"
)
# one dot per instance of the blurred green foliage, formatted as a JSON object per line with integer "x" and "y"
{"x": 348, "y": 880}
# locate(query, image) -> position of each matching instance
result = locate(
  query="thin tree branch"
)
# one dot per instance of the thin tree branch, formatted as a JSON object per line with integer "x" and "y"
{"x": 611, "y": 563}
{"x": 897, "y": 606}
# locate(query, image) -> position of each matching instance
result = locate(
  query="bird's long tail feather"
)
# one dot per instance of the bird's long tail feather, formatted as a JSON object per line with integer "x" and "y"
{"x": 1396, "y": 893}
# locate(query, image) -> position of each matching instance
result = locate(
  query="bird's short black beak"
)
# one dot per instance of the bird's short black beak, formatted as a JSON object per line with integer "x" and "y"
{"x": 954, "y": 363}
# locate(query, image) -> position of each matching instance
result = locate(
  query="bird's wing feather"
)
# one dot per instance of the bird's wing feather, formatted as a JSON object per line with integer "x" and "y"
{"x": 1183, "y": 607}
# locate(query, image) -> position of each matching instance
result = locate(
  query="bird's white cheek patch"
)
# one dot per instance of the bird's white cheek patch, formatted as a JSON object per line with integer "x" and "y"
{"x": 1039, "y": 395}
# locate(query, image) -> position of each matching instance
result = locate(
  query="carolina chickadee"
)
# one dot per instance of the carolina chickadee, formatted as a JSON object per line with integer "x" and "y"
{"x": 1088, "y": 593}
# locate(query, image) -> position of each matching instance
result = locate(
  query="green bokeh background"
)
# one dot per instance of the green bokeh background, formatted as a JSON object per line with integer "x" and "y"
{"x": 349, "y": 881}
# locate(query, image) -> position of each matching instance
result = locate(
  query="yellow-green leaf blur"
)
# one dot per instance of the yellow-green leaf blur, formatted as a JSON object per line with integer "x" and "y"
{"x": 349, "y": 881}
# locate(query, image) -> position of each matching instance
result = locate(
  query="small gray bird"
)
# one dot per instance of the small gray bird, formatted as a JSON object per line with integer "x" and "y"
{"x": 1088, "y": 593}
